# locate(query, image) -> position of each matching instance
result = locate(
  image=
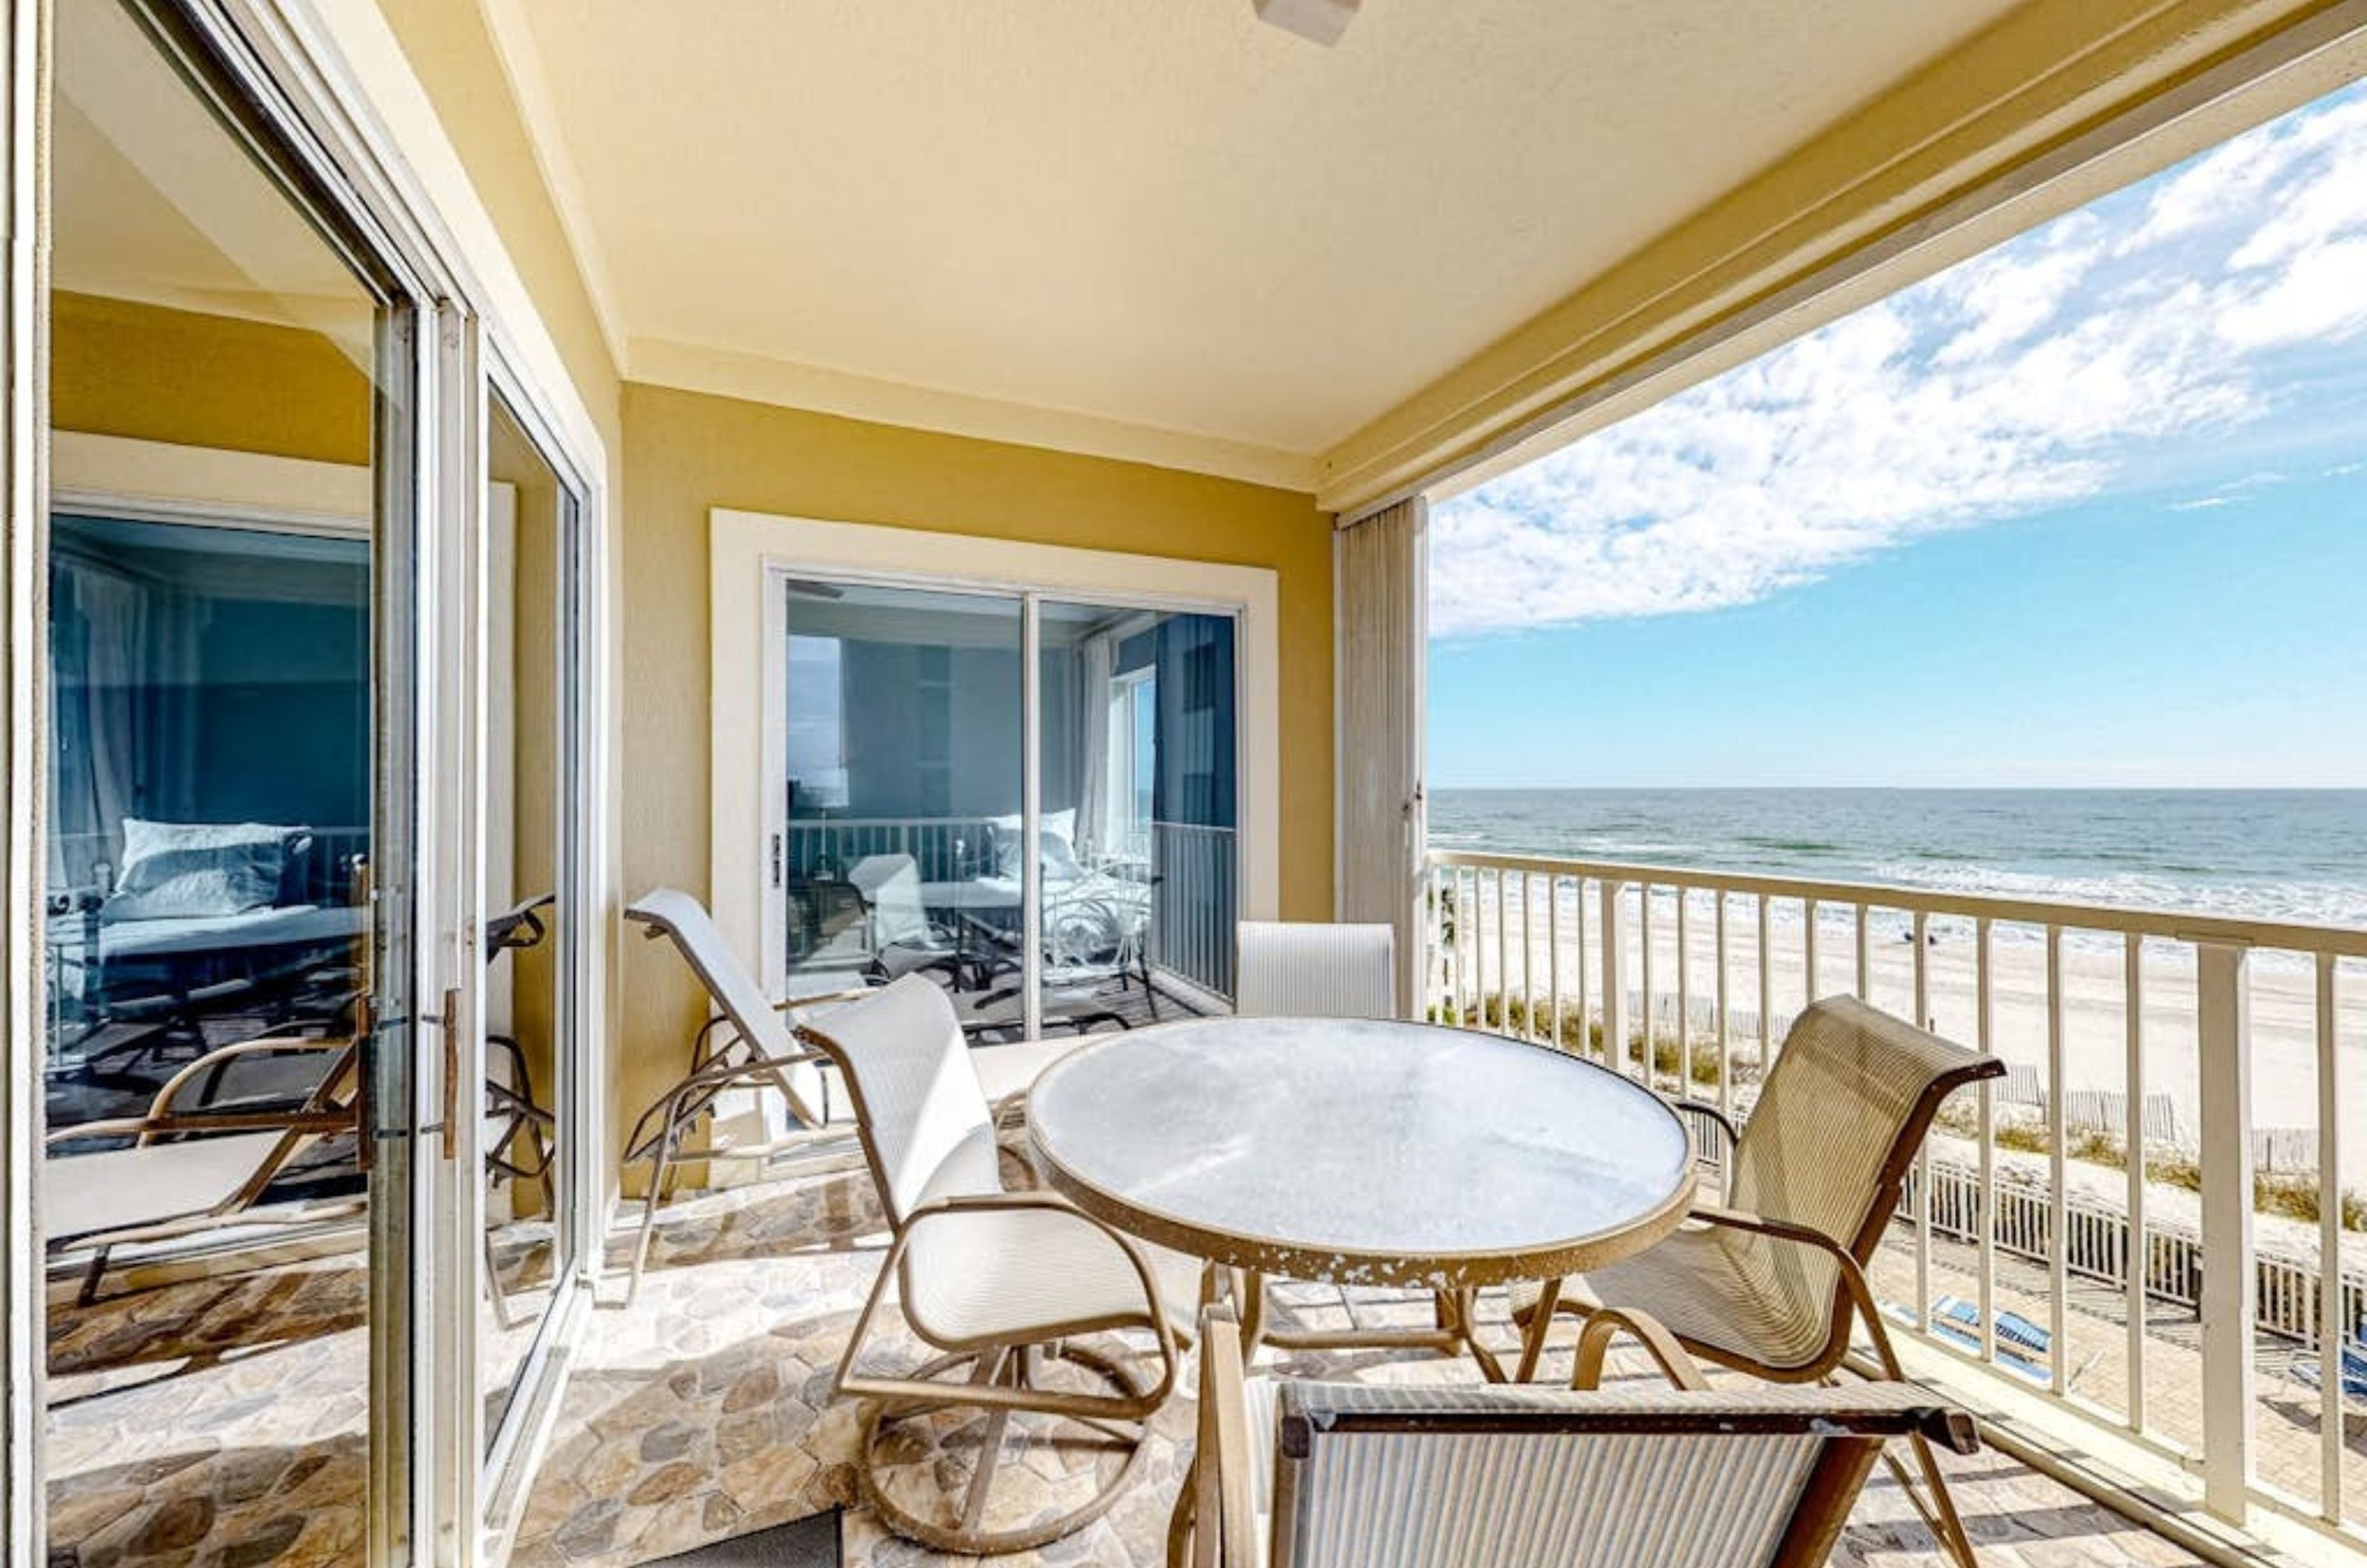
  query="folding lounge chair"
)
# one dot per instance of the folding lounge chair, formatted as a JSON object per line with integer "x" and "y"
{"x": 1001, "y": 1283}
{"x": 748, "y": 1044}
{"x": 518, "y": 1128}
{"x": 193, "y": 1166}
{"x": 903, "y": 939}
{"x": 1343, "y": 1475}
{"x": 1770, "y": 1282}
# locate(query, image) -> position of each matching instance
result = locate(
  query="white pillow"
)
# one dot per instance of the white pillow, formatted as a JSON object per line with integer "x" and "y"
{"x": 1059, "y": 836}
{"x": 195, "y": 869}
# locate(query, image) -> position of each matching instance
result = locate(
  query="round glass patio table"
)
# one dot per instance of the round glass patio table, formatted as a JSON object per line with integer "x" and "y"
{"x": 1362, "y": 1152}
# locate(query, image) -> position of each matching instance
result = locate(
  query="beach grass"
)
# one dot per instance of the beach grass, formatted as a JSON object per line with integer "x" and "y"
{"x": 2291, "y": 1194}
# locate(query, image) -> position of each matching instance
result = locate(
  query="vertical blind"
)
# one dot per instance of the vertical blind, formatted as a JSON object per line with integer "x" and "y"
{"x": 1381, "y": 564}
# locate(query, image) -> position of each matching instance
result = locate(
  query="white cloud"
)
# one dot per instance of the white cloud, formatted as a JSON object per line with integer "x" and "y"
{"x": 2031, "y": 376}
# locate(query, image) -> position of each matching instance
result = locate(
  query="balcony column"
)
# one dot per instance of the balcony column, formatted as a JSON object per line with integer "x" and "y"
{"x": 2230, "y": 1287}
{"x": 1380, "y": 566}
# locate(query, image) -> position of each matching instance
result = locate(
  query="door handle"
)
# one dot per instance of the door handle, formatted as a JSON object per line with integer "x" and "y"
{"x": 451, "y": 1031}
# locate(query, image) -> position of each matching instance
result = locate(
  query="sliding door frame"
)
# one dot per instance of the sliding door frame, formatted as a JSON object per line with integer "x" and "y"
{"x": 515, "y": 1450}
{"x": 752, "y": 553}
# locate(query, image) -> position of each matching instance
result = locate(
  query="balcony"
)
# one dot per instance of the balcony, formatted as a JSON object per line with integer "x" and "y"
{"x": 2178, "y": 1316}
{"x": 2148, "y": 1413}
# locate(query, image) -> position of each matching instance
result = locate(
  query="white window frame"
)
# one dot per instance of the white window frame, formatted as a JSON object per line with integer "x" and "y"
{"x": 749, "y": 550}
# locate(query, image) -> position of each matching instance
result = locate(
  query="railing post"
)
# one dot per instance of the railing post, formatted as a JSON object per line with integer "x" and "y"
{"x": 1615, "y": 975}
{"x": 2229, "y": 1287}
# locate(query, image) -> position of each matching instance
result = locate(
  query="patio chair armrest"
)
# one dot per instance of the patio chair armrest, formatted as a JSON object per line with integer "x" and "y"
{"x": 1854, "y": 1285}
{"x": 163, "y": 1105}
{"x": 1605, "y": 1324}
{"x": 824, "y": 999}
{"x": 682, "y": 1105}
{"x": 113, "y": 1127}
{"x": 1703, "y": 1108}
{"x": 1779, "y": 1230}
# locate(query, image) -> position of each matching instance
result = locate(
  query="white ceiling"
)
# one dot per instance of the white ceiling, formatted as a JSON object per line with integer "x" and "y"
{"x": 1159, "y": 212}
{"x": 154, "y": 201}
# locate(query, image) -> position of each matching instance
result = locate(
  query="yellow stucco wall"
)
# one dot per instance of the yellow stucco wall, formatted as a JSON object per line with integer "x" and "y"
{"x": 686, "y": 453}
{"x": 118, "y": 368}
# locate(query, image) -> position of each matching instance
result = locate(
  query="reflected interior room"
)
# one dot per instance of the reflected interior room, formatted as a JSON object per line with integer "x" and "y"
{"x": 210, "y": 725}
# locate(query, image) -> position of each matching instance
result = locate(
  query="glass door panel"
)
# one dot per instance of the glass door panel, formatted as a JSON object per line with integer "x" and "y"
{"x": 230, "y": 862}
{"x": 903, "y": 752}
{"x": 532, "y": 1051}
{"x": 1138, "y": 790}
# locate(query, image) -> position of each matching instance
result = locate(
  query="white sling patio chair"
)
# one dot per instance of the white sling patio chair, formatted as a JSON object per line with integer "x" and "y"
{"x": 1002, "y": 1284}
{"x": 1291, "y": 969}
{"x": 1771, "y": 1281}
{"x": 747, "y": 1044}
{"x": 903, "y": 939}
{"x": 1348, "y": 1475}
{"x": 1310, "y": 969}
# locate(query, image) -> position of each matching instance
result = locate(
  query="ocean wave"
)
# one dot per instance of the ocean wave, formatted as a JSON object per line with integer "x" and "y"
{"x": 2296, "y": 902}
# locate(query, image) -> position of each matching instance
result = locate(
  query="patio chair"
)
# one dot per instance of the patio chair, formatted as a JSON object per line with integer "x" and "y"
{"x": 1095, "y": 938}
{"x": 747, "y": 1045}
{"x": 1353, "y": 1475}
{"x": 903, "y": 939}
{"x": 1771, "y": 1282}
{"x": 1001, "y": 1284}
{"x": 199, "y": 1159}
{"x": 1306, "y": 970}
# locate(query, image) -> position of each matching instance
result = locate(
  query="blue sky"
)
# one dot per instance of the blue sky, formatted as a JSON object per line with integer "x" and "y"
{"x": 2089, "y": 509}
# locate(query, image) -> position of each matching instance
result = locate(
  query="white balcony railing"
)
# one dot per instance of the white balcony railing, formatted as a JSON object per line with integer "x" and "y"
{"x": 2164, "y": 1187}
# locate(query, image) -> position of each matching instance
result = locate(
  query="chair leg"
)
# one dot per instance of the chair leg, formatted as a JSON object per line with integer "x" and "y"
{"x": 1532, "y": 1339}
{"x": 89, "y": 1295}
{"x": 1940, "y": 1513}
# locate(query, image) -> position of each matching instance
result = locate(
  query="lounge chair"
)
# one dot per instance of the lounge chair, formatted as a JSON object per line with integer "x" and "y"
{"x": 748, "y": 1044}
{"x": 1771, "y": 1282}
{"x": 997, "y": 1282}
{"x": 2311, "y": 1374}
{"x": 1347, "y": 1475}
{"x": 903, "y": 939}
{"x": 195, "y": 1165}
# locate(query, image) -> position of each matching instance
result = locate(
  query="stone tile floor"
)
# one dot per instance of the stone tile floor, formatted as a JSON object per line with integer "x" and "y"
{"x": 704, "y": 1410}
{"x": 224, "y": 1423}
{"x": 220, "y": 1424}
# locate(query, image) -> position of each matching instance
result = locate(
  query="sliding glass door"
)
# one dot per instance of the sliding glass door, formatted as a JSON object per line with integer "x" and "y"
{"x": 1051, "y": 838}
{"x": 902, "y": 793}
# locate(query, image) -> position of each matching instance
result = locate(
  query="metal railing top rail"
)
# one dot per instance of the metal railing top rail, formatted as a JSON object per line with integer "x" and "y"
{"x": 2175, "y": 925}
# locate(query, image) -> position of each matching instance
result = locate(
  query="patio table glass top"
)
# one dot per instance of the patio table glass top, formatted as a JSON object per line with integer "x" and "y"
{"x": 1361, "y": 1151}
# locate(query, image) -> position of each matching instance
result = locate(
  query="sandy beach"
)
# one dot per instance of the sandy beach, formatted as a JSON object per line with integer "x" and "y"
{"x": 2283, "y": 1049}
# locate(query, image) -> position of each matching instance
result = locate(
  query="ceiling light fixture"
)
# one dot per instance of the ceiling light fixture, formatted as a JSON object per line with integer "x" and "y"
{"x": 1320, "y": 20}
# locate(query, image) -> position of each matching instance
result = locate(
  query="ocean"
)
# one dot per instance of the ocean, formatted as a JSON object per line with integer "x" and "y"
{"x": 2297, "y": 855}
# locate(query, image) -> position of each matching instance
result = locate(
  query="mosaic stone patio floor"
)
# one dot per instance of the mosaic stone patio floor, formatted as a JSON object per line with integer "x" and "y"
{"x": 704, "y": 1410}
{"x": 220, "y": 1424}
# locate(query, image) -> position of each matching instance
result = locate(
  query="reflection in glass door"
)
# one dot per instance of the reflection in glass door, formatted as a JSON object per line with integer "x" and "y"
{"x": 230, "y": 867}
{"x": 905, "y": 778}
{"x": 1140, "y": 814}
{"x": 902, "y": 854}
{"x": 532, "y": 1045}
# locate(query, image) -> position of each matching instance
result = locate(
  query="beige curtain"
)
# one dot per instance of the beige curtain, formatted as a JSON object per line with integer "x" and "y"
{"x": 1381, "y": 562}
